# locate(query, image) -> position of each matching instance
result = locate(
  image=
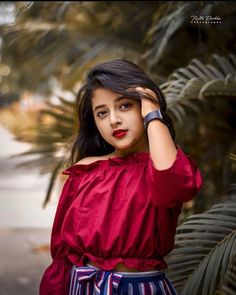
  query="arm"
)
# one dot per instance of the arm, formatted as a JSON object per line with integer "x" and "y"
{"x": 174, "y": 177}
{"x": 161, "y": 146}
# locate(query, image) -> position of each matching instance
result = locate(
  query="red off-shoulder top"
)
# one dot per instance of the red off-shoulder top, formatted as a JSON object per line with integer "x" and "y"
{"x": 116, "y": 210}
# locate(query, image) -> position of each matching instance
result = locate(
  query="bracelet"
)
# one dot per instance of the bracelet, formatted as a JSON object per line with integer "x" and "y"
{"x": 155, "y": 115}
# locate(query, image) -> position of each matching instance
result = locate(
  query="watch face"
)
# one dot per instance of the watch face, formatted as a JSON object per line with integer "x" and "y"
{"x": 155, "y": 115}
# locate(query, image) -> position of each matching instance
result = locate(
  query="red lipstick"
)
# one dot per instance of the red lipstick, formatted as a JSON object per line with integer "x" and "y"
{"x": 119, "y": 133}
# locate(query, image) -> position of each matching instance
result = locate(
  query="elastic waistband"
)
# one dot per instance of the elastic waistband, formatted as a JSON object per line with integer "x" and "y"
{"x": 137, "y": 274}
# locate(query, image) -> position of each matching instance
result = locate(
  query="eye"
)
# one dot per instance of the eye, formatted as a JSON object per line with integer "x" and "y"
{"x": 125, "y": 106}
{"x": 101, "y": 114}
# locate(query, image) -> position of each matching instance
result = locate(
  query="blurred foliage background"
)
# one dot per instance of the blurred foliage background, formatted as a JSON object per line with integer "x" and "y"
{"x": 46, "y": 49}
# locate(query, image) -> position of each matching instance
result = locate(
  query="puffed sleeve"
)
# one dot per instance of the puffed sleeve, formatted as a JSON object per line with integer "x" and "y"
{"x": 55, "y": 280}
{"x": 176, "y": 184}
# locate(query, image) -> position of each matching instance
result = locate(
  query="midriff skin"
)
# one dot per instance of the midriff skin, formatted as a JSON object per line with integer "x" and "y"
{"x": 120, "y": 267}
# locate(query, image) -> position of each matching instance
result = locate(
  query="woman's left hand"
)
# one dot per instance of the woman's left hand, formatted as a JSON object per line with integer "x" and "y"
{"x": 147, "y": 105}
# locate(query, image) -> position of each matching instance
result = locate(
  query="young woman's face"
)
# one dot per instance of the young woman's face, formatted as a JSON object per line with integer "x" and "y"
{"x": 119, "y": 121}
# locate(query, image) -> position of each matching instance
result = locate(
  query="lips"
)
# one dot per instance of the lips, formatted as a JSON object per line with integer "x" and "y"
{"x": 119, "y": 132}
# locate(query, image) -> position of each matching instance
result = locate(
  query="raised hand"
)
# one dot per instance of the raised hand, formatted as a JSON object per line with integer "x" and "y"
{"x": 149, "y": 101}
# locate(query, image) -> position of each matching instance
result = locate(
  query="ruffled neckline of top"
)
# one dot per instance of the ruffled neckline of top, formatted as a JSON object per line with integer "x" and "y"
{"x": 121, "y": 161}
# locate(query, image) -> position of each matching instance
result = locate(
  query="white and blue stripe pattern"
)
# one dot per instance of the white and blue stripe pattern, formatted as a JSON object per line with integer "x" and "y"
{"x": 89, "y": 280}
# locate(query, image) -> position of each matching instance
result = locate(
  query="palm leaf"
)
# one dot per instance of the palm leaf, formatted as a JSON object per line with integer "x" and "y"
{"x": 233, "y": 156}
{"x": 48, "y": 138}
{"x": 199, "y": 81}
{"x": 85, "y": 29}
{"x": 228, "y": 286}
{"x": 205, "y": 245}
{"x": 54, "y": 174}
{"x": 164, "y": 28}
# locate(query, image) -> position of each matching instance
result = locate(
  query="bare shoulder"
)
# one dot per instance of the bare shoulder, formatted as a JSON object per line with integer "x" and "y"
{"x": 90, "y": 160}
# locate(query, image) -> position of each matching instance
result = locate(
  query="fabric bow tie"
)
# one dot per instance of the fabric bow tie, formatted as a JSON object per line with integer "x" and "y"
{"x": 104, "y": 282}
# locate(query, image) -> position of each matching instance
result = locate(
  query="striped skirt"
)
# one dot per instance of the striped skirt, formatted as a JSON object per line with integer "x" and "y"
{"x": 89, "y": 280}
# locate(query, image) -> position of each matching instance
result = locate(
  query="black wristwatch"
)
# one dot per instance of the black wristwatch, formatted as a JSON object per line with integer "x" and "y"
{"x": 155, "y": 115}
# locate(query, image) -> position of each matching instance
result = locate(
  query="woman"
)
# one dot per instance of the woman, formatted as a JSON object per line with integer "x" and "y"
{"x": 118, "y": 211}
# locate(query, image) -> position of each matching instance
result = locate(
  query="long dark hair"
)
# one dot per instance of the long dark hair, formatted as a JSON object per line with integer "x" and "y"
{"x": 118, "y": 76}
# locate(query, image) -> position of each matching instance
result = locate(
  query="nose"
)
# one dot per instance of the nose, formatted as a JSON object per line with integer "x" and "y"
{"x": 114, "y": 119}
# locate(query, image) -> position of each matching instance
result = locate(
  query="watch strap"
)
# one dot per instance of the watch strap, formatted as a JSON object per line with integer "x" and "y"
{"x": 154, "y": 115}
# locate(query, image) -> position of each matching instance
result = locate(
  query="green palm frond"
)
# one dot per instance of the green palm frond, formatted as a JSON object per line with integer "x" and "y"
{"x": 64, "y": 38}
{"x": 228, "y": 286}
{"x": 199, "y": 81}
{"x": 204, "y": 249}
{"x": 48, "y": 141}
{"x": 55, "y": 129}
{"x": 173, "y": 33}
{"x": 164, "y": 27}
{"x": 232, "y": 156}
{"x": 53, "y": 178}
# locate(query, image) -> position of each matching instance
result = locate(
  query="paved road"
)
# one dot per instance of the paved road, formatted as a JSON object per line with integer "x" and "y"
{"x": 22, "y": 190}
{"x": 24, "y": 255}
{"x": 24, "y": 225}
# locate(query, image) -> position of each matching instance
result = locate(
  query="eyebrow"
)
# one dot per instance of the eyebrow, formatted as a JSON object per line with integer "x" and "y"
{"x": 103, "y": 105}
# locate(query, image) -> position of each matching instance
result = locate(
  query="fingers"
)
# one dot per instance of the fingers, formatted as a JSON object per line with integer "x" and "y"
{"x": 147, "y": 93}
